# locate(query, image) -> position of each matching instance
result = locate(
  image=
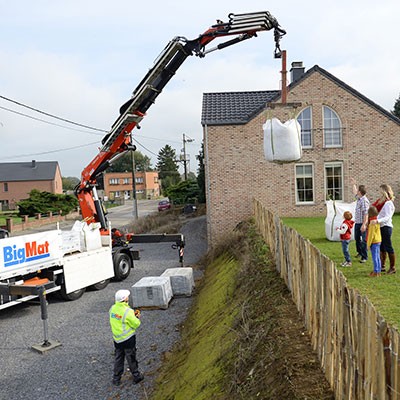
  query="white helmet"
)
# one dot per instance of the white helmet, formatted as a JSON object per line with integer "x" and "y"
{"x": 122, "y": 295}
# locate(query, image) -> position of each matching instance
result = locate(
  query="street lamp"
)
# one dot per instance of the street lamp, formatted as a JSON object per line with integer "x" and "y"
{"x": 186, "y": 139}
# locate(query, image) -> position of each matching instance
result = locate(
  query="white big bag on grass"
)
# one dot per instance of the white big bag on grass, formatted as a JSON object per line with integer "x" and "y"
{"x": 334, "y": 218}
{"x": 282, "y": 141}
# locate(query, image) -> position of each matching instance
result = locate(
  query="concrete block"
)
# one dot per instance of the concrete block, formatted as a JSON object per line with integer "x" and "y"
{"x": 152, "y": 291}
{"x": 182, "y": 281}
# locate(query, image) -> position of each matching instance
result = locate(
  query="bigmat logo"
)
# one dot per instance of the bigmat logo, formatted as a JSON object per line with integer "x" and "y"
{"x": 32, "y": 251}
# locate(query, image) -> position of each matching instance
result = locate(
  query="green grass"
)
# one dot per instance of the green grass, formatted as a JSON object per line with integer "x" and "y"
{"x": 383, "y": 292}
{"x": 194, "y": 371}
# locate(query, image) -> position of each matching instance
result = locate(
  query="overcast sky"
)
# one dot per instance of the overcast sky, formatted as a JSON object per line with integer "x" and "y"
{"x": 80, "y": 60}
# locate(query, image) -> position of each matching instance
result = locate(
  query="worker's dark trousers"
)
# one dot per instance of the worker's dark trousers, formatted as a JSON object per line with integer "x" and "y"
{"x": 125, "y": 352}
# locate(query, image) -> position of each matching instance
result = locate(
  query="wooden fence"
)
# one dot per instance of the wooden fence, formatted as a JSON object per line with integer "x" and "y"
{"x": 358, "y": 350}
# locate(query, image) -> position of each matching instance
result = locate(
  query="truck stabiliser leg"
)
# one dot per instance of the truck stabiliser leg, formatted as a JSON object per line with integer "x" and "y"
{"x": 47, "y": 344}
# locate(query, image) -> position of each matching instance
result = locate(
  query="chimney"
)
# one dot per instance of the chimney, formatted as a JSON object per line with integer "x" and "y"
{"x": 297, "y": 70}
{"x": 33, "y": 163}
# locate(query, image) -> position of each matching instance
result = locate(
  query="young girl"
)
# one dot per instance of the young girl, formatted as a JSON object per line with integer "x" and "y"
{"x": 374, "y": 240}
{"x": 345, "y": 236}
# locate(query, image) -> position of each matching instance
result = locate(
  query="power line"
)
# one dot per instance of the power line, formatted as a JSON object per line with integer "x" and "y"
{"x": 48, "y": 122}
{"x": 48, "y": 152}
{"x": 51, "y": 115}
{"x": 154, "y": 154}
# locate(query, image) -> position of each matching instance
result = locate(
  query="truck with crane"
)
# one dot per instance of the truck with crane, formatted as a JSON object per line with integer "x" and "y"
{"x": 92, "y": 253}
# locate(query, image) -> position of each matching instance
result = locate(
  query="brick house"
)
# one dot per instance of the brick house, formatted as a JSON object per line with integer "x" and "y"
{"x": 344, "y": 134}
{"x": 118, "y": 185}
{"x": 17, "y": 179}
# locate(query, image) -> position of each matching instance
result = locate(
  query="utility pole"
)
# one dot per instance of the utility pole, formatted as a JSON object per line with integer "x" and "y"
{"x": 185, "y": 160}
{"x": 135, "y": 204}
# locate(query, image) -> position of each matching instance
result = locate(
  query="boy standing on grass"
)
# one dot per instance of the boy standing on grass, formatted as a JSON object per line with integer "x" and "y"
{"x": 345, "y": 237}
{"x": 374, "y": 239}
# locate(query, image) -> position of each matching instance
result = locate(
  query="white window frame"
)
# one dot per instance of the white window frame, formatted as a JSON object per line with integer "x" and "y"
{"x": 333, "y": 164}
{"x": 298, "y": 202}
{"x": 311, "y": 129}
{"x": 334, "y": 117}
{"x": 113, "y": 181}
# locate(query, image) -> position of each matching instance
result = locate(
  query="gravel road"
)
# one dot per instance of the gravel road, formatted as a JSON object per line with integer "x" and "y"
{"x": 81, "y": 368}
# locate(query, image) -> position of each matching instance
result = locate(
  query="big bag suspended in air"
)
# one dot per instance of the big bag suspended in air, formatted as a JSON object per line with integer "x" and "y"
{"x": 282, "y": 141}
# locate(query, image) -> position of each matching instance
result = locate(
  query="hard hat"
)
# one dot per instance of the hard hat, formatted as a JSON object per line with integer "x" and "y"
{"x": 121, "y": 295}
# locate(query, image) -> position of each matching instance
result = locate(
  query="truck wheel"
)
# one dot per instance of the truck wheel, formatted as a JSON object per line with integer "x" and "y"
{"x": 100, "y": 285}
{"x": 71, "y": 296}
{"x": 122, "y": 266}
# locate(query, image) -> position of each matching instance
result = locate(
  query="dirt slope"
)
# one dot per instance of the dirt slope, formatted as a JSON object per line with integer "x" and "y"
{"x": 244, "y": 338}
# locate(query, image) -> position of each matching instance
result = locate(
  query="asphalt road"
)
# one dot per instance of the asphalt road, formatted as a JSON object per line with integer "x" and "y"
{"x": 81, "y": 368}
{"x": 124, "y": 215}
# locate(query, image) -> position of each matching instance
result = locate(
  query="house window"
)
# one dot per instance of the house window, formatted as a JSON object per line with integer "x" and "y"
{"x": 5, "y": 187}
{"x": 304, "y": 183}
{"x": 334, "y": 181}
{"x": 156, "y": 179}
{"x": 305, "y": 122}
{"x": 332, "y": 128}
{"x": 126, "y": 181}
{"x": 114, "y": 181}
{"x": 139, "y": 180}
{"x": 117, "y": 194}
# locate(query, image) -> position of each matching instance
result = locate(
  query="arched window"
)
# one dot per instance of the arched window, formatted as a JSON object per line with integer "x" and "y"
{"x": 332, "y": 128}
{"x": 305, "y": 122}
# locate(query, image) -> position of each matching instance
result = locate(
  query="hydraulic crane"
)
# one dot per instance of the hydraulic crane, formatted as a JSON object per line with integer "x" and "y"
{"x": 119, "y": 139}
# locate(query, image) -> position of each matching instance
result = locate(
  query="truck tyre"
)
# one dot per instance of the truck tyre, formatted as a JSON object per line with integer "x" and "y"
{"x": 71, "y": 296}
{"x": 100, "y": 285}
{"x": 122, "y": 266}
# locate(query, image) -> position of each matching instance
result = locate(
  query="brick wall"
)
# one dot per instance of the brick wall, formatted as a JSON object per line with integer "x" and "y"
{"x": 236, "y": 170}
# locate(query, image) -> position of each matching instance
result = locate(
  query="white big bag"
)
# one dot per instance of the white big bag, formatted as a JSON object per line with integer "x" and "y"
{"x": 282, "y": 141}
{"x": 334, "y": 218}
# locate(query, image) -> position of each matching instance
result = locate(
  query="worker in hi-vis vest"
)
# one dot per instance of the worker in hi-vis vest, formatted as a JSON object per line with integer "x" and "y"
{"x": 124, "y": 321}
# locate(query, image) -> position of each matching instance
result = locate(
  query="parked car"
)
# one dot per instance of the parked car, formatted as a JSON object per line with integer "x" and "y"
{"x": 4, "y": 233}
{"x": 164, "y": 205}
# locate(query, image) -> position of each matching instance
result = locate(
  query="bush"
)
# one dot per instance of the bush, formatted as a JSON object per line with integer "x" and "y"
{"x": 45, "y": 202}
{"x": 183, "y": 192}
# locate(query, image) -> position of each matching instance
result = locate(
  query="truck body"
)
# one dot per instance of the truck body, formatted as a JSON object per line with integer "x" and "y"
{"x": 90, "y": 254}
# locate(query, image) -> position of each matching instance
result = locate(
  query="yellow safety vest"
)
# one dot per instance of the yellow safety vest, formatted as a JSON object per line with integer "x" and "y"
{"x": 123, "y": 321}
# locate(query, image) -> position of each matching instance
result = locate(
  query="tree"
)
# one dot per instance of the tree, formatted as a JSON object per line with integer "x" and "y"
{"x": 167, "y": 167}
{"x": 396, "y": 110}
{"x": 69, "y": 182}
{"x": 124, "y": 163}
{"x": 183, "y": 192}
{"x": 201, "y": 176}
{"x": 45, "y": 202}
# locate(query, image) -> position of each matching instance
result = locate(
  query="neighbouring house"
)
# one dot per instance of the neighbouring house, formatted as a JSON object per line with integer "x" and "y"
{"x": 17, "y": 179}
{"x": 118, "y": 185}
{"x": 344, "y": 135}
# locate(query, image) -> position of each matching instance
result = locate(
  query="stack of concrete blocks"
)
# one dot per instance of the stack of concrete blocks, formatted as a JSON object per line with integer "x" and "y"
{"x": 152, "y": 291}
{"x": 182, "y": 281}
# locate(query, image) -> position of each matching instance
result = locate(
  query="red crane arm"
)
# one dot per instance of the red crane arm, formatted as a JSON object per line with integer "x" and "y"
{"x": 119, "y": 140}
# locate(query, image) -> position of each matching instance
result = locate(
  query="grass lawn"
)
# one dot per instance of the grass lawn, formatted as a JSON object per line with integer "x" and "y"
{"x": 383, "y": 292}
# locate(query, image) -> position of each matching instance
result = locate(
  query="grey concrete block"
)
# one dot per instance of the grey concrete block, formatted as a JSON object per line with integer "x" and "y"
{"x": 182, "y": 281}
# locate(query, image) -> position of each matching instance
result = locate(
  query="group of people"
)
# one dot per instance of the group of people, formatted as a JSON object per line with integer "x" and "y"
{"x": 373, "y": 228}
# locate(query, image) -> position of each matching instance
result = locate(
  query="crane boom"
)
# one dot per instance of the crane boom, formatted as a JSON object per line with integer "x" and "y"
{"x": 119, "y": 140}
